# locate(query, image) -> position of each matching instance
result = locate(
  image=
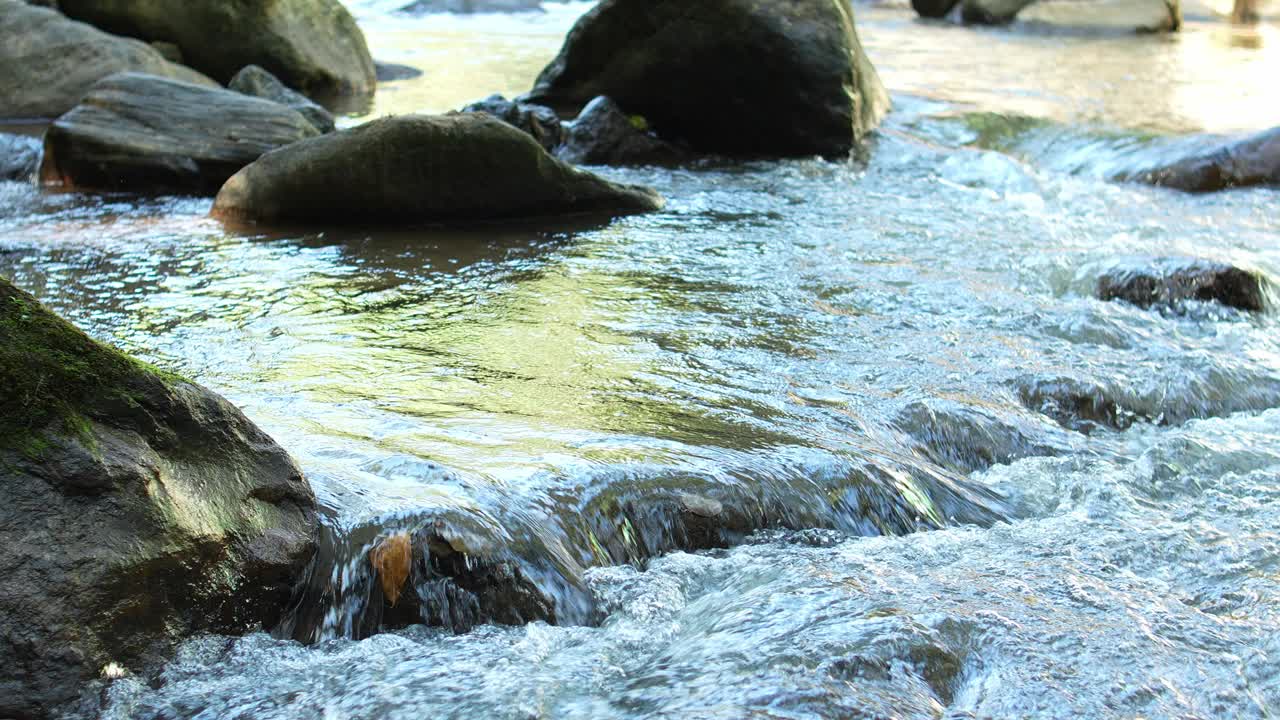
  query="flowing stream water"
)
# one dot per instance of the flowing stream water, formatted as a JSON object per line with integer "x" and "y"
{"x": 957, "y": 484}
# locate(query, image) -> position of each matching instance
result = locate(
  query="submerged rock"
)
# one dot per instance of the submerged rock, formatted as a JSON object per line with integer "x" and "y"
{"x": 256, "y": 82}
{"x": 19, "y": 157}
{"x": 1252, "y": 160}
{"x": 972, "y": 437}
{"x": 604, "y": 135}
{"x": 539, "y": 121}
{"x": 312, "y": 45}
{"x": 1076, "y": 403}
{"x": 143, "y": 133}
{"x": 1105, "y": 16}
{"x": 391, "y": 72}
{"x": 48, "y": 62}
{"x": 736, "y": 77}
{"x": 1171, "y": 281}
{"x": 461, "y": 167}
{"x": 135, "y": 509}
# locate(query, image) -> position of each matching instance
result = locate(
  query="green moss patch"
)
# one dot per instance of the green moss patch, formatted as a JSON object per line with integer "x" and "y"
{"x": 53, "y": 377}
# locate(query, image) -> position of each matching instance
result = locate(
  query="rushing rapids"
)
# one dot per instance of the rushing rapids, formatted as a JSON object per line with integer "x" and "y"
{"x": 818, "y": 439}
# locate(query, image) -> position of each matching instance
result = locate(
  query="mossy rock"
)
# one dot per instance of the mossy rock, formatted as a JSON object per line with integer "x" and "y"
{"x": 136, "y": 508}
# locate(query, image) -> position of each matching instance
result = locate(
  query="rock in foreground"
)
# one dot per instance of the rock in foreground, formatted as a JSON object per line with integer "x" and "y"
{"x": 48, "y": 62}
{"x": 1253, "y": 160}
{"x": 735, "y": 77}
{"x": 135, "y": 509}
{"x": 312, "y": 45}
{"x": 143, "y": 133}
{"x": 463, "y": 167}
{"x": 1170, "y": 282}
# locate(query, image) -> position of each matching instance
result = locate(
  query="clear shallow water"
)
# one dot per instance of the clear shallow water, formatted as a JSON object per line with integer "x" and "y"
{"x": 815, "y": 337}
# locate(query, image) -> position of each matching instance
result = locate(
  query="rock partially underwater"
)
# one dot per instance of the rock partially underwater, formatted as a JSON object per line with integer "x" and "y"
{"x": 1242, "y": 162}
{"x": 136, "y": 132}
{"x": 462, "y": 167}
{"x": 731, "y": 77}
{"x": 136, "y": 508}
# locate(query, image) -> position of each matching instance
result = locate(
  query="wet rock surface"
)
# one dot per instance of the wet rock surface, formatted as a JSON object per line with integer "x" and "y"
{"x": 19, "y": 157}
{"x": 539, "y": 121}
{"x": 462, "y": 167}
{"x": 47, "y": 62}
{"x": 733, "y": 77}
{"x": 312, "y": 45}
{"x": 256, "y": 82}
{"x": 1244, "y": 162}
{"x": 1172, "y": 281}
{"x": 142, "y": 133}
{"x": 972, "y": 437}
{"x": 137, "y": 509}
{"x": 604, "y": 135}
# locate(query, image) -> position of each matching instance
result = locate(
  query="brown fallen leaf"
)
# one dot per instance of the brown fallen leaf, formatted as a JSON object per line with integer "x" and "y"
{"x": 391, "y": 558}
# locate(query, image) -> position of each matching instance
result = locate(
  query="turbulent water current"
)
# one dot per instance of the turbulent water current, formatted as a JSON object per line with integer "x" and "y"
{"x": 959, "y": 485}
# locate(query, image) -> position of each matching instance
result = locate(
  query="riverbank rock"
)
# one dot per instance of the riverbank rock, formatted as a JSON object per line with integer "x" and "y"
{"x": 312, "y": 45}
{"x": 48, "y": 62}
{"x": 604, "y": 135}
{"x": 142, "y": 133}
{"x": 136, "y": 508}
{"x": 461, "y": 167}
{"x": 1171, "y": 282}
{"x": 1252, "y": 160}
{"x": 19, "y": 157}
{"x": 256, "y": 82}
{"x": 538, "y": 121}
{"x": 1105, "y": 16}
{"x": 734, "y": 77}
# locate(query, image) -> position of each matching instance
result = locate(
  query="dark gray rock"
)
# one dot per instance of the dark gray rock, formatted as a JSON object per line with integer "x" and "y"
{"x": 256, "y": 82}
{"x": 733, "y": 77}
{"x": 19, "y": 157}
{"x": 604, "y": 135}
{"x": 991, "y": 12}
{"x": 391, "y": 72}
{"x": 312, "y": 45}
{"x": 135, "y": 509}
{"x": 48, "y": 62}
{"x": 1076, "y": 403}
{"x": 422, "y": 7}
{"x": 971, "y": 437}
{"x": 933, "y": 8}
{"x": 461, "y": 167}
{"x": 1172, "y": 281}
{"x": 538, "y": 121}
{"x": 1252, "y": 160}
{"x": 143, "y": 133}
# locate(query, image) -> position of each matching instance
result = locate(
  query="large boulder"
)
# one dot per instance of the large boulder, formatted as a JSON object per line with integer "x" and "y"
{"x": 1252, "y": 160}
{"x": 604, "y": 135}
{"x": 149, "y": 134}
{"x": 735, "y": 77}
{"x": 135, "y": 509}
{"x": 48, "y": 62}
{"x": 312, "y": 45}
{"x": 253, "y": 80}
{"x": 19, "y": 157}
{"x": 1105, "y": 16}
{"x": 461, "y": 167}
